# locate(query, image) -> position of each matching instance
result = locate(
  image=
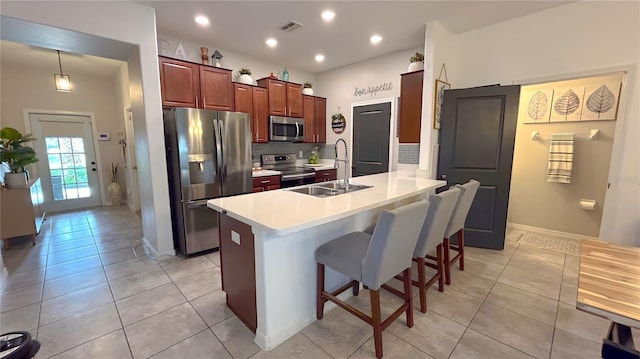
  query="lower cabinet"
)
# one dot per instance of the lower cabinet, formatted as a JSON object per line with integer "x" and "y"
{"x": 266, "y": 183}
{"x": 237, "y": 259}
{"x": 22, "y": 212}
{"x": 326, "y": 175}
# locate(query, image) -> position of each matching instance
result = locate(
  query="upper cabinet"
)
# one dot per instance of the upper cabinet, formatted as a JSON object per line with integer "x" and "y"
{"x": 315, "y": 113}
{"x": 285, "y": 98}
{"x": 254, "y": 101}
{"x": 410, "y": 106}
{"x": 188, "y": 84}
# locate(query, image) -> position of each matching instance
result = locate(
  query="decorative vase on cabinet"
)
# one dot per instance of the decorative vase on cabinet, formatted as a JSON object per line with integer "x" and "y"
{"x": 415, "y": 66}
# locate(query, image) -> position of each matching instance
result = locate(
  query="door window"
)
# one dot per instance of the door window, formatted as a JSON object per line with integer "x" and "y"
{"x": 68, "y": 167}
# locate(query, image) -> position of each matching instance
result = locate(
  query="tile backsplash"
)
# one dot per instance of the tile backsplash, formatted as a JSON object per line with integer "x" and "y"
{"x": 409, "y": 153}
{"x": 326, "y": 151}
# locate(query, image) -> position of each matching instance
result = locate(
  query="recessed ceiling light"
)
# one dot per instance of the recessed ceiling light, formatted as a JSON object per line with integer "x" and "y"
{"x": 271, "y": 42}
{"x": 202, "y": 20}
{"x": 375, "y": 39}
{"x": 328, "y": 15}
{"x": 319, "y": 57}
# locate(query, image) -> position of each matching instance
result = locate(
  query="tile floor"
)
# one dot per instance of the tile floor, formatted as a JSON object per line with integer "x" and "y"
{"x": 84, "y": 294}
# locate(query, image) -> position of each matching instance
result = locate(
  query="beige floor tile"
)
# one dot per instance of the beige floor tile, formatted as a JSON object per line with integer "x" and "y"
{"x": 136, "y": 283}
{"x": 71, "y": 244}
{"x": 71, "y": 255}
{"x": 77, "y": 302}
{"x": 130, "y": 267}
{"x": 154, "y": 334}
{"x": 20, "y": 297}
{"x": 214, "y": 257}
{"x": 392, "y": 347}
{"x": 22, "y": 279}
{"x": 200, "y": 284}
{"x": 451, "y": 304}
{"x": 110, "y": 346}
{"x": 474, "y": 345}
{"x": 106, "y": 246}
{"x": 489, "y": 255}
{"x": 70, "y": 332}
{"x": 581, "y": 323}
{"x": 187, "y": 267}
{"x": 515, "y": 330}
{"x": 20, "y": 319}
{"x": 236, "y": 338}
{"x": 569, "y": 346}
{"x": 298, "y": 346}
{"x": 569, "y": 293}
{"x": 117, "y": 255}
{"x": 56, "y": 236}
{"x": 69, "y": 268}
{"x": 74, "y": 282}
{"x": 24, "y": 260}
{"x": 148, "y": 303}
{"x": 530, "y": 305}
{"x": 202, "y": 345}
{"x": 571, "y": 269}
{"x": 212, "y": 307}
{"x": 431, "y": 333}
{"x": 482, "y": 268}
{"x": 469, "y": 283}
{"x": 538, "y": 255}
{"x": 535, "y": 277}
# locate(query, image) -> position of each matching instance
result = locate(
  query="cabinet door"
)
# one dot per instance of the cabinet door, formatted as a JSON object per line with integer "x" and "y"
{"x": 216, "y": 89}
{"x": 243, "y": 98}
{"x": 260, "y": 118}
{"x": 410, "y": 107}
{"x": 308, "y": 104}
{"x": 179, "y": 83}
{"x": 326, "y": 175}
{"x": 294, "y": 100}
{"x": 277, "y": 98}
{"x": 321, "y": 119}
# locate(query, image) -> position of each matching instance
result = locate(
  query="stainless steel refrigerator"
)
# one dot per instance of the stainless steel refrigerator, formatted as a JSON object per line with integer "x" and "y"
{"x": 208, "y": 156}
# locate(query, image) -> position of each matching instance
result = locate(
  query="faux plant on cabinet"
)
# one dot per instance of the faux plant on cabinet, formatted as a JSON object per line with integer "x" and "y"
{"x": 307, "y": 89}
{"x": 16, "y": 156}
{"x": 245, "y": 76}
{"x": 416, "y": 62}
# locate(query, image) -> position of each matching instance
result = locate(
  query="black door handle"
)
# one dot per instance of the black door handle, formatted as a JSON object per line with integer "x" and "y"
{"x": 93, "y": 163}
{"x": 93, "y": 169}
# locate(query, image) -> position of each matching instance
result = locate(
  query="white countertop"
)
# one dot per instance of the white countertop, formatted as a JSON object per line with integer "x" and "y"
{"x": 283, "y": 212}
{"x": 263, "y": 173}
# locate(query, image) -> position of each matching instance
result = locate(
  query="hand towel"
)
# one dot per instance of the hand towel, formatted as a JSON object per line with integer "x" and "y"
{"x": 560, "y": 157}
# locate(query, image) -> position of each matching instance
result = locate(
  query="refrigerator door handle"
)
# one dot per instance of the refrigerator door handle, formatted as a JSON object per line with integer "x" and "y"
{"x": 218, "y": 139}
{"x": 297, "y": 130}
{"x": 223, "y": 164}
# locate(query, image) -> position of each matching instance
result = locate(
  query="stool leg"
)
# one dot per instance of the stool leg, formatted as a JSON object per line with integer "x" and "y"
{"x": 33, "y": 240}
{"x": 356, "y": 288}
{"x": 375, "y": 321}
{"x": 447, "y": 263}
{"x": 440, "y": 268}
{"x": 422, "y": 286}
{"x": 320, "y": 288}
{"x": 5, "y": 243}
{"x": 408, "y": 296}
{"x": 461, "y": 248}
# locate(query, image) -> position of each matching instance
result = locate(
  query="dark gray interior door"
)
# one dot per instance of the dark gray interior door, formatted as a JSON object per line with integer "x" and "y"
{"x": 477, "y": 137}
{"x": 371, "y": 139}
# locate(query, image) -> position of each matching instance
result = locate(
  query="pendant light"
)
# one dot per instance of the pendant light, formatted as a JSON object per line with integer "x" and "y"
{"x": 63, "y": 82}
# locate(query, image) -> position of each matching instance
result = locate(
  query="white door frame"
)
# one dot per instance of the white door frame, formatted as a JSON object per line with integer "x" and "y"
{"x": 27, "y": 125}
{"x": 132, "y": 164}
{"x": 393, "y": 141}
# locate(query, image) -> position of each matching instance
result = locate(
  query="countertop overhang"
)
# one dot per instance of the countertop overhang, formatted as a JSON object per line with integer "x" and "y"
{"x": 282, "y": 212}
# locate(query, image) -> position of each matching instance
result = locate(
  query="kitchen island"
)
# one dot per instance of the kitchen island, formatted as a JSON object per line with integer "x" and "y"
{"x": 268, "y": 241}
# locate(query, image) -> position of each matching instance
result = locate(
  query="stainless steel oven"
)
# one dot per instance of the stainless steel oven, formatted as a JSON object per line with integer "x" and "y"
{"x": 286, "y": 129}
{"x": 291, "y": 175}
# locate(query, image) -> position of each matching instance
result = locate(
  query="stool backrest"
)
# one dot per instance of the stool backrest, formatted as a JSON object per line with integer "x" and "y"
{"x": 469, "y": 190}
{"x": 392, "y": 243}
{"x": 440, "y": 211}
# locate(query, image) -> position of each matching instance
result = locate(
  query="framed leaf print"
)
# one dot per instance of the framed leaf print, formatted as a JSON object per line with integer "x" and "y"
{"x": 437, "y": 101}
{"x": 567, "y": 104}
{"x": 601, "y": 101}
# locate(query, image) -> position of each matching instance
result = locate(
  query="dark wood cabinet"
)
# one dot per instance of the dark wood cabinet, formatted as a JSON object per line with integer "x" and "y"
{"x": 266, "y": 183}
{"x": 254, "y": 101}
{"x": 243, "y": 98}
{"x": 285, "y": 98}
{"x": 187, "y": 84}
{"x": 410, "y": 106}
{"x": 326, "y": 175}
{"x": 315, "y": 112}
{"x": 237, "y": 259}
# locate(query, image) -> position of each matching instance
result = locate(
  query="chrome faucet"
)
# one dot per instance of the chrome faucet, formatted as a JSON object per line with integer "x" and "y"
{"x": 346, "y": 160}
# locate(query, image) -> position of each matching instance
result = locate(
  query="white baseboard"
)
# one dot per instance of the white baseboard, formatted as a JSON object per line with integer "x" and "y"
{"x": 549, "y": 232}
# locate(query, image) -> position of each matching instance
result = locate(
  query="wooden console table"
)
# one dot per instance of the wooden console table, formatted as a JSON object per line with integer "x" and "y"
{"x": 22, "y": 212}
{"x": 609, "y": 287}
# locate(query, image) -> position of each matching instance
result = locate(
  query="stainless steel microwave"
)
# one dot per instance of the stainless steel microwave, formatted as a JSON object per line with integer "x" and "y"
{"x": 286, "y": 129}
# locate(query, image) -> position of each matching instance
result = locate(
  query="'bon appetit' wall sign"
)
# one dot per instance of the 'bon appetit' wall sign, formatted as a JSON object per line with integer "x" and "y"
{"x": 373, "y": 90}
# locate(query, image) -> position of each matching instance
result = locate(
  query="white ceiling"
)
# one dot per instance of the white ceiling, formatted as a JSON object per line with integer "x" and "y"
{"x": 243, "y": 26}
{"x": 18, "y": 54}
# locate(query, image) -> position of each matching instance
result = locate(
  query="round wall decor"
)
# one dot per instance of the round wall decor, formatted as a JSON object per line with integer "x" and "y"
{"x": 338, "y": 123}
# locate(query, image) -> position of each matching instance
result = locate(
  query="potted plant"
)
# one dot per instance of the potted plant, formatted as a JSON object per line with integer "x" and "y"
{"x": 416, "y": 62}
{"x": 16, "y": 156}
{"x": 307, "y": 89}
{"x": 245, "y": 76}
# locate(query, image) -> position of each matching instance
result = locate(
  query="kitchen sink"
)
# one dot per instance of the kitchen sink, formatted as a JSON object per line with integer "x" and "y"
{"x": 328, "y": 189}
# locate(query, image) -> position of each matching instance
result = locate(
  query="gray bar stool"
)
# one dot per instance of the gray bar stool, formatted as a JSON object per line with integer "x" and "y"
{"x": 374, "y": 260}
{"x": 456, "y": 226}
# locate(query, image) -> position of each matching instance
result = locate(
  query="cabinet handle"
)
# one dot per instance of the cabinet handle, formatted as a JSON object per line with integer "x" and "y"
{"x": 325, "y": 174}
{"x": 265, "y": 181}
{"x": 196, "y": 101}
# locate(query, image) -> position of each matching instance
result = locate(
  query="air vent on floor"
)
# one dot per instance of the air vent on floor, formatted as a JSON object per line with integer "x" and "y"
{"x": 291, "y": 26}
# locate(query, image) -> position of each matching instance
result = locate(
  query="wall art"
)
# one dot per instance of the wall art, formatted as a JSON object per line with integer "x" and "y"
{"x": 438, "y": 97}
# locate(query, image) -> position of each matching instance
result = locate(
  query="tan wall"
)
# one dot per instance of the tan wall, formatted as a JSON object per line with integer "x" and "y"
{"x": 538, "y": 203}
{"x": 23, "y": 87}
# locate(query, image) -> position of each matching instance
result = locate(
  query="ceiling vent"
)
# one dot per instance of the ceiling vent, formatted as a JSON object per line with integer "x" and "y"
{"x": 291, "y": 26}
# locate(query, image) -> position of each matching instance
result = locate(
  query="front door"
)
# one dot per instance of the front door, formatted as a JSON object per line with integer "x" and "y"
{"x": 477, "y": 136}
{"x": 67, "y": 166}
{"x": 371, "y": 139}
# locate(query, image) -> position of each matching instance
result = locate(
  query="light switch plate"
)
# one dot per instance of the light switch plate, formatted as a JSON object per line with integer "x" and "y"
{"x": 235, "y": 237}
